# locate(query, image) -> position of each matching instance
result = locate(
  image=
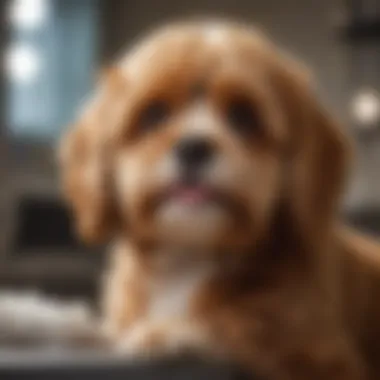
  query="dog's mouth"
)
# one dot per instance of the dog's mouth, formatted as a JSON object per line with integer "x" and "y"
{"x": 196, "y": 202}
{"x": 188, "y": 194}
{"x": 191, "y": 195}
{"x": 195, "y": 196}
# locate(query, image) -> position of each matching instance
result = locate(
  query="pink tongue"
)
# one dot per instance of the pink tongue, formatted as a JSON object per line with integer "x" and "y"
{"x": 191, "y": 195}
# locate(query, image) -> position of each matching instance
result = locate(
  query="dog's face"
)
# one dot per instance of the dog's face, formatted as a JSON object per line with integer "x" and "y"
{"x": 196, "y": 137}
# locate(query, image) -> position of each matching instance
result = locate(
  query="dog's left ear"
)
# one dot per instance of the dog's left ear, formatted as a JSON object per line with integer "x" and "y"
{"x": 319, "y": 152}
{"x": 85, "y": 158}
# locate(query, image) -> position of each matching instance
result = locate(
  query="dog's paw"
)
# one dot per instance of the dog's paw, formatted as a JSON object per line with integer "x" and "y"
{"x": 145, "y": 340}
{"x": 140, "y": 341}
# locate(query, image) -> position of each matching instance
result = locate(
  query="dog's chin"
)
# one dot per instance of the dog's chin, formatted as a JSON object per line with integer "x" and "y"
{"x": 191, "y": 217}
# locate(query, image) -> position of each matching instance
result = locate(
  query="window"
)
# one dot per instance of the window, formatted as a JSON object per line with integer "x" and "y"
{"x": 50, "y": 63}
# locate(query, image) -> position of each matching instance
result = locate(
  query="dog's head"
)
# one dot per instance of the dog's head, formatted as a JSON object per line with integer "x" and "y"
{"x": 199, "y": 136}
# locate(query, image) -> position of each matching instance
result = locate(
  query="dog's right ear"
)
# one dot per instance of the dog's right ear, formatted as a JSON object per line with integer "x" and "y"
{"x": 320, "y": 153}
{"x": 85, "y": 161}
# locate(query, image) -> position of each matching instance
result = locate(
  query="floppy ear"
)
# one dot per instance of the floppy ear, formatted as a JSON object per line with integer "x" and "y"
{"x": 319, "y": 153}
{"x": 85, "y": 160}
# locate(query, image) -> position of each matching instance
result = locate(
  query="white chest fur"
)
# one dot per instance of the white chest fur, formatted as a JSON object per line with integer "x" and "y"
{"x": 171, "y": 295}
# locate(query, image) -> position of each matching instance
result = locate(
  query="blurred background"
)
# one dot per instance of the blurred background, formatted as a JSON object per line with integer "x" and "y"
{"x": 51, "y": 52}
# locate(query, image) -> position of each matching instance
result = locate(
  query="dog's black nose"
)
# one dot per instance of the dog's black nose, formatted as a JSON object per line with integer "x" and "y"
{"x": 195, "y": 152}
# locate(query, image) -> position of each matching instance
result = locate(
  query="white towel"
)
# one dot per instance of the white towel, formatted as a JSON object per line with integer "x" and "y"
{"x": 30, "y": 318}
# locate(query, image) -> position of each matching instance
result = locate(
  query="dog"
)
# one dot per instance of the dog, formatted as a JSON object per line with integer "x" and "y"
{"x": 207, "y": 161}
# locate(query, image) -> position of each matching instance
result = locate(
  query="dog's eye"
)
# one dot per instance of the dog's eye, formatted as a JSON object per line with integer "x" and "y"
{"x": 242, "y": 116}
{"x": 153, "y": 115}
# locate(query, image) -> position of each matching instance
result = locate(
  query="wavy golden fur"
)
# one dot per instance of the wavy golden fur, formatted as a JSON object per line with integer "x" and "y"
{"x": 259, "y": 269}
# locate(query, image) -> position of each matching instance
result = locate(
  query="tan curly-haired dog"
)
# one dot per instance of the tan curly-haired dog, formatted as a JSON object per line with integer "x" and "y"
{"x": 207, "y": 159}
